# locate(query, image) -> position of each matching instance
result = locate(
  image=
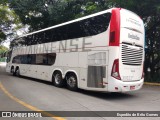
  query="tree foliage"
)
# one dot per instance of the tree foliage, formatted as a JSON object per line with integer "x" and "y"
{"x": 8, "y": 20}
{"x": 2, "y": 36}
{"x": 45, "y": 13}
{"x": 3, "y": 49}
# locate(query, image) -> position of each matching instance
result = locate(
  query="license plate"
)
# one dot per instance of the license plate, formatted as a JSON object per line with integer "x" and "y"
{"x": 132, "y": 87}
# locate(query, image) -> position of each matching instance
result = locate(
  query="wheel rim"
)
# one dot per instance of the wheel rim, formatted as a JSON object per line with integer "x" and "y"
{"x": 71, "y": 81}
{"x": 57, "y": 78}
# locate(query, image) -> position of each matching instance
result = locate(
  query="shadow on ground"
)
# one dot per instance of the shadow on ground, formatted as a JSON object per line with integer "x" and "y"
{"x": 102, "y": 95}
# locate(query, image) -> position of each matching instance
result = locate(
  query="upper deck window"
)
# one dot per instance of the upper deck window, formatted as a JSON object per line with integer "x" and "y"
{"x": 87, "y": 27}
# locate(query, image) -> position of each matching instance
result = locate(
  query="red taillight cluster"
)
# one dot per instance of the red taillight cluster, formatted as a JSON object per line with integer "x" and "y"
{"x": 115, "y": 28}
{"x": 112, "y": 37}
{"x": 115, "y": 70}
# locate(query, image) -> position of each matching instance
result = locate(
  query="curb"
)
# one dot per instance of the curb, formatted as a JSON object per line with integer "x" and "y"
{"x": 153, "y": 84}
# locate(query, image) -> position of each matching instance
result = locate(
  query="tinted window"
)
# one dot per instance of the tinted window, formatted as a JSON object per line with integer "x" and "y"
{"x": 31, "y": 59}
{"x": 39, "y": 59}
{"x": 45, "y": 59}
{"x": 17, "y": 59}
{"x": 88, "y": 27}
{"x": 23, "y": 59}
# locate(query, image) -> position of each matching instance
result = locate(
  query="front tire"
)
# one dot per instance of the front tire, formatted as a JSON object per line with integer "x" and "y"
{"x": 57, "y": 79}
{"x": 72, "y": 82}
{"x": 12, "y": 71}
{"x": 17, "y": 72}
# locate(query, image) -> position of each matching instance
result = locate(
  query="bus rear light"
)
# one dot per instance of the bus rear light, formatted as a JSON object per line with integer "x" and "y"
{"x": 115, "y": 70}
{"x": 116, "y": 88}
{"x": 114, "y": 37}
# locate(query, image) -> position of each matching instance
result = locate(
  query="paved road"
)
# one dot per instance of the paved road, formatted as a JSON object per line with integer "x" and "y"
{"x": 44, "y": 96}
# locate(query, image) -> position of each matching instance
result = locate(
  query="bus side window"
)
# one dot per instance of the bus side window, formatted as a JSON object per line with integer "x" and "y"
{"x": 45, "y": 59}
{"x": 24, "y": 59}
{"x": 39, "y": 59}
{"x": 51, "y": 58}
{"x": 14, "y": 60}
{"x": 31, "y": 59}
{"x": 17, "y": 59}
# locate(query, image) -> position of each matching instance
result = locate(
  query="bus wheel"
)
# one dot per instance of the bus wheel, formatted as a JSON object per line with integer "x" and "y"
{"x": 57, "y": 79}
{"x": 17, "y": 72}
{"x": 12, "y": 70}
{"x": 72, "y": 82}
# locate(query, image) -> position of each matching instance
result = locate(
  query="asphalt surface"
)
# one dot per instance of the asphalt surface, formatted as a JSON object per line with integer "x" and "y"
{"x": 44, "y": 96}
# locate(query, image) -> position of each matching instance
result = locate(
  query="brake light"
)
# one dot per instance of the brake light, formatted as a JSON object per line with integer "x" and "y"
{"x": 115, "y": 70}
{"x": 112, "y": 37}
{"x": 115, "y": 28}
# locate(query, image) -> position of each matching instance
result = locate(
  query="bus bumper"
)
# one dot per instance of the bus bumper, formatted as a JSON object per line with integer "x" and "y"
{"x": 119, "y": 86}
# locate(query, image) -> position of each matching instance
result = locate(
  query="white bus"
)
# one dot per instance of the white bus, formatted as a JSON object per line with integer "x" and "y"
{"x": 100, "y": 52}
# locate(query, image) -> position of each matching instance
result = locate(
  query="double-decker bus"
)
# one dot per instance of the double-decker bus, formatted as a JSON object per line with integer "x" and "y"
{"x": 100, "y": 52}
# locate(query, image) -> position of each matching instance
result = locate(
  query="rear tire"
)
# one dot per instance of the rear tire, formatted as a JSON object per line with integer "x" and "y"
{"x": 17, "y": 72}
{"x": 72, "y": 82}
{"x": 57, "y": 79}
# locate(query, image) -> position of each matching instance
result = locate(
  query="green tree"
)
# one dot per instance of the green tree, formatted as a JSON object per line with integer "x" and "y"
{"x": 2, "y": 36}
{"x": 46, "y": 13}
{"x": 8, "y": 19}
{"x": 3, "y": 53}
{"x": 3, "y": 49}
